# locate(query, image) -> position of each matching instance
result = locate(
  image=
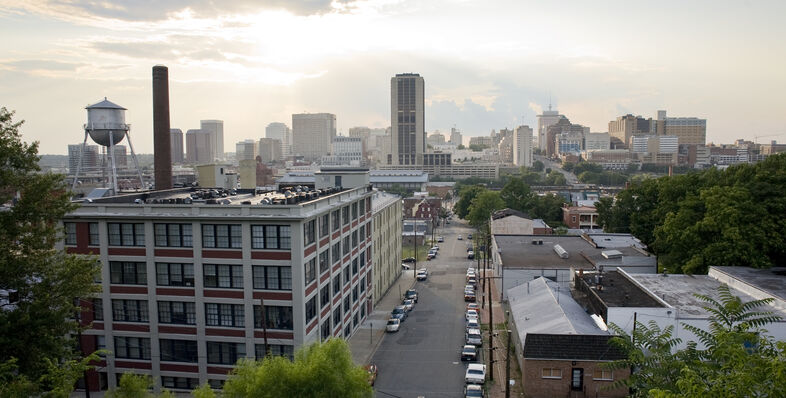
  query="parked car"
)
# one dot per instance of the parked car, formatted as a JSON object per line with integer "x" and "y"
{"x": 399, "y": 312}
{"x": 405, "y": 266}
{"x": 472, "y": 336}
{"x": 473, "y": 324}
{"x": 469, "y": 236}
{"x": 393, "y": 325}
{"x": 434, "y": 248}
{"x": 411, "y": 294}
{"x": 473, "y": 306}
{"x": 372, "y": 373}
{"x": 440, "y": 239}
{"x": 409, "y": 260}
{"x": 422, "y": 274}
{"x": 460, "y": 238}
{"x": 476, "y": 374}
{"x": 471, "y": 314}
{"x": 431, "y": 255}
{"x": 408, "y": 304}
{"x": 470, "y": 270}
{"x": 469, "y": 353}
{"x": 469, "y": 296}
{"x": 471, "y": 255}
{"x": 473, "y": 391}
{"x": 472, "y": 280}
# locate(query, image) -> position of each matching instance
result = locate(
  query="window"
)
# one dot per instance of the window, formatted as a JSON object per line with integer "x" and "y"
{"x": 346, "y": 304}
{"x": 337, "y": 316}
{"x": 282, "y": 350}
{"x": 311, "y": 309}
{"x": 362, "y": 206}
{"x": 551, "y": 373}
{"x": 362, "y": 231}
{"x": 174, "y": 274}
{"x": 324, "y": 296}
{"x": 345, "y": 215}
{"x": 577, "y": 379}
{"x": 368, "y": 203}
{"x": 178, "y": 312}
{"x": 309, "y": 235}
{"x": 603, "y": 374}
{"x": 355, "y": 294}
{"x": 354, "y": 266}
{"x": 345, "y": 271}
{"x": 336, "y": 252}
{"x": 362, "y": 311}
{"x": 324, "y": 261}
{"x": 347, "y": 331}
{"x": 225, "y": 353}
{"x": 222, "y": 236}
{"x": 92, "y": 230}
{"x": 229, "y": 315}
{"x": 337, "y": 285}
{"x": 178, "y": 350}
{"x": 276, "y": 317}
{"x": 368, "y": 230}
{"x": 128, "y": 273}
{"x": 100, "y": 344}
{"x": 130, "y": 311}
{"x": 362, "y": 284}
{"x": 310, "y": 270}
{"x": 362, "y": 258}
{"x": 126, "y": 234}
{"x": 271, "y": 237}
{"x": 355, "y": 238}
{"x": 173, "y": 235}
{"x": 272, "y": 278}
{"x": 181, "y": 383}
{"x": 70, "y": 232}
{"x": 216, "y": 384}
{"x": 324, "y": 330}
{"x": 324, "y": 225}
{"x": 225, "y": 276}
{"x": 345, "y": 245}
{"x": 336, "y": 219}
{"x": 132, "y": 347}
{"x": 98, "y": 309}
{"x": 355, "y": 320}
{"x": 355, "y": 211}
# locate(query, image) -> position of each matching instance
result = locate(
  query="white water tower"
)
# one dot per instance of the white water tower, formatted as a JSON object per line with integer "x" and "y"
{"x": 106, "y": 126}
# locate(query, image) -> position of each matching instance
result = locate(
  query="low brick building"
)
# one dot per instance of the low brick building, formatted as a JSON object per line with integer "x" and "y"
{"x": 580, "y": 217}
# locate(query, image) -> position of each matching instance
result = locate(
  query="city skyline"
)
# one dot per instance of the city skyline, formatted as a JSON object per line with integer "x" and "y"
{"x": 485, "y": 66}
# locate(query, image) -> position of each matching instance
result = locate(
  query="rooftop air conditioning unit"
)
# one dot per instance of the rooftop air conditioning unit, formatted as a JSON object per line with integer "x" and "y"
{"x": 562, "y": 253}
{"x": 611, "y": 254}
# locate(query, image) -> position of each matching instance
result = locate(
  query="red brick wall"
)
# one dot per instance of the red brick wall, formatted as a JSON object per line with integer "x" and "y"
{"x": 536, "y": 386}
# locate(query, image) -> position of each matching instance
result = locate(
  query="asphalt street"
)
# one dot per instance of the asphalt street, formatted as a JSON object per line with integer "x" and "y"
{"x": 422, "y": 359}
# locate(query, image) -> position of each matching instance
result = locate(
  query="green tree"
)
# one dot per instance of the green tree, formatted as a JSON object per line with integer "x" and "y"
{"x": 517, "y": 195}
{"x": 537, "y": 166}
{"x": 555, "y": 178}
{"x": 319, "y": 370}
{"x": 37, "y": 329}
{"x": 137, "y": 386}
{"x": 477, "y": 147}
{"x": 547, "y": 207}
{"x": 567, "y": 166}
{"x": 482, "y": 206}
{"x": 461, "y": 146}
{"x": 466, "y": 195}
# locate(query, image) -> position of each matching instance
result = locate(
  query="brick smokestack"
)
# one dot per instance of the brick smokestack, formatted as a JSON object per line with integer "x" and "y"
{"x": 162, "y": 145}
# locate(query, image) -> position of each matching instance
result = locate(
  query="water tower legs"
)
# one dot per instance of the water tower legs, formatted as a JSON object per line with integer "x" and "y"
{"x": 136, "y": 163}
{"x": 79, "y": 163}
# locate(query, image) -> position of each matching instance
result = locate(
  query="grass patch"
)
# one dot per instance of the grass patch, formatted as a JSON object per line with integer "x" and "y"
{"x": 409, "y": 251}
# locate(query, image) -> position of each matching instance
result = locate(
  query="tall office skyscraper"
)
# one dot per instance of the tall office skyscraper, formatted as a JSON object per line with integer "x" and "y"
{"x": 545, "y": 120}
{"x": 282, "y": 133}
{"x": 407, "y": 103}
{"x": 216, "y": 130}
{"x": 455, "y": 137}
{"x": 91, "y": 160}
{"x": 312, "y": 134}
{"x": 522, "y": 146}
{"x": 246, "y": 150}
{"x": 198, "y": 146}
{"x": 176, "y": 139}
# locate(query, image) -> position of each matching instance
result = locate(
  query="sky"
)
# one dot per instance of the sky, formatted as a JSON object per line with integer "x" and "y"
{"x": 487, "y": 64}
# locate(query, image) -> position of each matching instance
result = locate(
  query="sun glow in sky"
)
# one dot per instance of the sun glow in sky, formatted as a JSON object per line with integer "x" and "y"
{"x": 487, "y": 64}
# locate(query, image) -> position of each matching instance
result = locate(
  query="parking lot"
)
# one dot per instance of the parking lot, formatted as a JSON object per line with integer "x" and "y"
{"x": 424, "y": 357}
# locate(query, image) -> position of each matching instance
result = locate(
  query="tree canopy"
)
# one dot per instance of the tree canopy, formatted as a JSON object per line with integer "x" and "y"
{"x": 713, "y": 217}
{"x": 735, "y": 359}
{"x": 37, "y": 325}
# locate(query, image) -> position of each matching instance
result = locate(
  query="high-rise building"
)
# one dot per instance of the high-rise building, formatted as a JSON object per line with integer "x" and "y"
{"x": 622, "y": 129}
{"x": 345, "y": 151}
{"x": 91, "y": 161}
{"x": 282, "y": 133}
{"x": 364, "y": 133}
{"x": 505, "y": 149}
{"x": 176, "y": 139}
{"x": 269, "y": 150}
{"x": 198, "y": 146}
{"x": 522, "y": 146}
{"x": 436, "y": 138}
{"x": 246, "y": 150}
{"x": 312, "y": 134}
{"x": 688, "y": 130}
{"x": 455, "y": 137}
{"x": 593, "y": 141}
{"x": 216, "y": 130}
{"x": 407, "y": 103}
{"x": 548, "y": 118}
{"x": 563, "y": 137}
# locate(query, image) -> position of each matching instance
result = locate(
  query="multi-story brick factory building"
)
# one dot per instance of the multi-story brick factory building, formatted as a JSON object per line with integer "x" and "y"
{"x": 194, "y": 279}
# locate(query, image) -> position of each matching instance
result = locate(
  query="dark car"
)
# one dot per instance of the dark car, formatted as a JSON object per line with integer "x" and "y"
{"x": 469, "y": 236}
{"x": 469, "y": 296}
{"x": 469, "y": 353}
{"x": 411, "y": 294}
{"x": 409, "y": 260}
{"x": 400, "y": 313}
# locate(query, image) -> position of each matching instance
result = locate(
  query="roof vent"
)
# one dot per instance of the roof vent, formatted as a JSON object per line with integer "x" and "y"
{"x": 611, "y": 254}
{"x": 562, "y": 253}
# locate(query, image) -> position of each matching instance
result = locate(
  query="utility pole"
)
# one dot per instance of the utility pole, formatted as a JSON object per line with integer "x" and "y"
{"x": 507, "y": 366}
{"x": 491, "y": 336}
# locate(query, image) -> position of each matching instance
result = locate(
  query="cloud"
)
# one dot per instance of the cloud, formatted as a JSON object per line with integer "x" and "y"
{"x": 536, "y": 108}
{"x": 41, "y": 65}
{"x": 158, "y": 10}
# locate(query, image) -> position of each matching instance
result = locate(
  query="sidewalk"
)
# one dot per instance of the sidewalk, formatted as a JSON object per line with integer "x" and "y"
{"x": 369, "y": 335}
